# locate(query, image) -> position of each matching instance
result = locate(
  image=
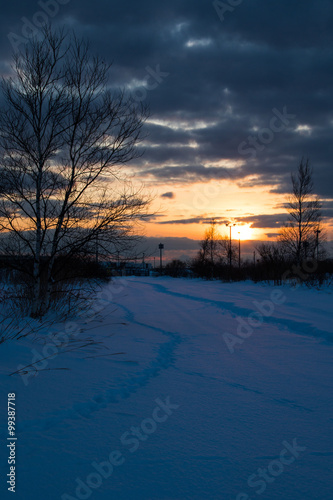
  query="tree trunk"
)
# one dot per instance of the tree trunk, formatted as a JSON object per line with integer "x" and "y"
{"x": 37, "y": 288}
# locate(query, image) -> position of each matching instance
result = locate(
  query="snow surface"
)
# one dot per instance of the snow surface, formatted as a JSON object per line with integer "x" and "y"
{"x": 232, "y": 413}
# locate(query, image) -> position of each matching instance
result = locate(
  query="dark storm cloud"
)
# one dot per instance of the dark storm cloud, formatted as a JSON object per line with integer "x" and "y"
{"x": 221, "y": 83}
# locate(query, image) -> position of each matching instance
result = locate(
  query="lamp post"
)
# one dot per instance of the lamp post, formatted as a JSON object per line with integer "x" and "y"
{"x": 230, "y": 253}
{"x": 239, "y": 253}
{"x": 161, "y": 246}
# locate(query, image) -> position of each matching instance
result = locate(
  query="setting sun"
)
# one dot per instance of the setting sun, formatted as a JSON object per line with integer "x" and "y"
{"x": 243, "y": 232}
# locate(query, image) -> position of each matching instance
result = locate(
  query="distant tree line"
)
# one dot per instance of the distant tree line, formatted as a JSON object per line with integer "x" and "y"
{"x": 297, "y": 255}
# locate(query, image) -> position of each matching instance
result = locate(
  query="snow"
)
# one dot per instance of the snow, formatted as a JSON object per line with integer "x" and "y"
{"x": 234, "y": 409}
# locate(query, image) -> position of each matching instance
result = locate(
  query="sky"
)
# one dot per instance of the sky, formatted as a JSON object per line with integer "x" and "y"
{"x": 239, "y": 91}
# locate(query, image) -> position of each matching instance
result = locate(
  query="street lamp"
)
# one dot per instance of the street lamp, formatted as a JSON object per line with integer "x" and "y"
{"x": 161, "y": 246}
{"x": 230, "y": 254}
{"x": 239, "y": 254}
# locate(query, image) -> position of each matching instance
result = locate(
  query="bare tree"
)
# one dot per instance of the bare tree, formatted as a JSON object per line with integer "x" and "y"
{"x": 214, "y": 253}
{"x": 209, "y": 248}
{"x": 214, "y": 248}
{"x": 63, "y": 139}
{"x": 227, "y": 251}
{"x": 302, "y": 234}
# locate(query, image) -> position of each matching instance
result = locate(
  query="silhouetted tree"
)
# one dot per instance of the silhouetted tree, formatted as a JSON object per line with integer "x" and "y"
{"x": 63, "y": 137}
{"x": 214, "y": 254}
{"x": 303, "y": 231}
{"x": 208, "y": 254}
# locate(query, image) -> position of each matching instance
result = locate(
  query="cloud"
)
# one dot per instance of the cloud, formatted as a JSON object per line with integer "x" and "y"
{"x": 169, "y": 195}
{"x": 264, "y": 221}
{"x": 189, "y": 173}
{"x": 272, "y": 235}
{"x": 223, "y": 82}
{"x": 195, "y": 220}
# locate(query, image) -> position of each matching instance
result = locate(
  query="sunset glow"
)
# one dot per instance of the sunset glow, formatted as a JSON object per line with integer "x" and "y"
{"x": 244, "y": 232}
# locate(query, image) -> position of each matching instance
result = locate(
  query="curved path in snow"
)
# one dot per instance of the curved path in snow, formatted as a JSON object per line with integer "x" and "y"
{"x": 164, "y": 338}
